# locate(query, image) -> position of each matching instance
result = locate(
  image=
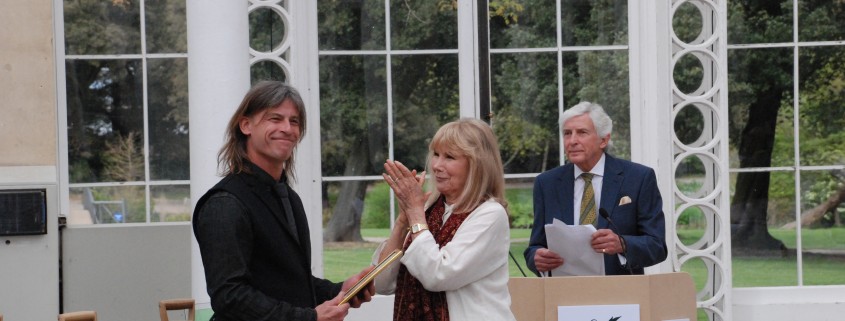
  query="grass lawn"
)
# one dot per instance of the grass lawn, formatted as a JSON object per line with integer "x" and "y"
{"x": 757, "y": 271}
{"x": 344, "y": 259}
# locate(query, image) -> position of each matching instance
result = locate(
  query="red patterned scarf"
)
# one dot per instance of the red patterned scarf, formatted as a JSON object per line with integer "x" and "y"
{"x": 413, "y": 302}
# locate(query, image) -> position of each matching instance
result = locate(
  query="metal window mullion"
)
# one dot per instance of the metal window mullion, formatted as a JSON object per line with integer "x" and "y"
{"x": 484, "y": 88}
{"x": 404, "y": 52}
{"x": 125, "y": 56}
{"x": 560, "y": 48}
{"x": 788, "y": 44}
{"x": 106, "y": 184}
{"x": 145, "y": 110}
{"x": 560, "y": 98}
{"x": 467, "y": 71}
{"x": 389, "y": 84}
{"x": 63, "y": 190}
{"x": 796, "y": 144}
{"x": 352, "y": 178}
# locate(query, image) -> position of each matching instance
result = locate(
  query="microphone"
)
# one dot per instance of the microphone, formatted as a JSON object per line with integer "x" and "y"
{"x": 606, "y": 216}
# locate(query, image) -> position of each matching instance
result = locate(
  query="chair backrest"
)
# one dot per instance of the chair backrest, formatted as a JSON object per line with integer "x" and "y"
{"x": 175, "y": 304}
{"x": 78, "y": 316}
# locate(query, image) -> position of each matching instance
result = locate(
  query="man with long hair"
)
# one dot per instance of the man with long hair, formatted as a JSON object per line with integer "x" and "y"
{"x": 251, "y": 227}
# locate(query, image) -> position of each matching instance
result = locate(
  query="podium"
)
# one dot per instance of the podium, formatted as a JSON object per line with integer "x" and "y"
{"x": 667, "y": 296}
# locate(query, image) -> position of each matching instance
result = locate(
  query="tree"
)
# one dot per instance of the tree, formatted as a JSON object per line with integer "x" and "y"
{"x": 353, "y": 103}
{"x": 525, "y": 95}
{"x": 761, "y": 85}
{"x": 105, "y": 96}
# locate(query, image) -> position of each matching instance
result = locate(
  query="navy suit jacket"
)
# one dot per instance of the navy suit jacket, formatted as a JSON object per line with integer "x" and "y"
{"x": 640, "y": 222}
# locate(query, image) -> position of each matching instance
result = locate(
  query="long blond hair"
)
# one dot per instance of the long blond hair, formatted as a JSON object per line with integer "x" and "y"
{"x": 264, "y": 95}
{"x": 475, "y": 140}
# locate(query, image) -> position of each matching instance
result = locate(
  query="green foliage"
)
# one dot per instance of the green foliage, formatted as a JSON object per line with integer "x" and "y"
{"x": 525, "y": 99}
{"x": 691, "y": 218}
{"x": 525, "y": 115}
{"x": 520, "y": 207}
{"x": 508, "y": 10}
{"x": 184, "y": 217}
{"x": 102, "y": 27}
{"x": 377, "y": 207}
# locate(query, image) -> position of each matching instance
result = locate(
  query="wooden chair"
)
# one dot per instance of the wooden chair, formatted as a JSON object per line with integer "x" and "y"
{"x": 78, "y": 316}
{"x": 175, "y": 304}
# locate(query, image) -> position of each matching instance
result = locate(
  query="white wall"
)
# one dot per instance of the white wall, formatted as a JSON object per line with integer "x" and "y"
{"x": 123, "y": 271}
{"x": 29, "y": 274}
{"x": 809, "y": 303}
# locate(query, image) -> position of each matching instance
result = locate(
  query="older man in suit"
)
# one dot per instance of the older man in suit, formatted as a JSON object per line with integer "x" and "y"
{"x": 251, "y": 227}
{"x": 592, "y": 181}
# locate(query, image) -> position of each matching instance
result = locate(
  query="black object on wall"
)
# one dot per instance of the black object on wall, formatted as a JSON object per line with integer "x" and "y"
{"x": 23, "y": 212}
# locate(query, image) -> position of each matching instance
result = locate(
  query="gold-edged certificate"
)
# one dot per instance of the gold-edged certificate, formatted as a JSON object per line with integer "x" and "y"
{"x": 362, "y": 283}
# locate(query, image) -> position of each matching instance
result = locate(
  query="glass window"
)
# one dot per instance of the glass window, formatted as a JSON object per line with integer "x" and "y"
{"x": 533, "y": 80}
{"x": 165, "y": 25}
{"x": 753, "y": 22}
{"x": 593, "y": 23}
{"x": 102, "y": 27}
{"x": 384, "y": 97}
{"x": 359, "y": 26}
{"x": 353, "y": 115}
{"x": 785, "y": 127}
{"x": 127, "y": 111}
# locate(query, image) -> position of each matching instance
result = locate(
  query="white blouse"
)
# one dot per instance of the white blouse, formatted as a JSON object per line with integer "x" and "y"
{"x": 472, "y": 268}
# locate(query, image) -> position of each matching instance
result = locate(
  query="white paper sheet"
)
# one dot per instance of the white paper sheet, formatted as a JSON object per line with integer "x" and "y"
{"x": 572, "y": 243}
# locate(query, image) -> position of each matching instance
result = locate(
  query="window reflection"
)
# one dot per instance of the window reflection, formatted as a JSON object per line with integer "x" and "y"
{"x": 105, "y": 120}
{"x": 166, "y": 26}
{"x": 102, "y": 27}
{"x": 127, "y": 118}
{"x": 167, "y": 96}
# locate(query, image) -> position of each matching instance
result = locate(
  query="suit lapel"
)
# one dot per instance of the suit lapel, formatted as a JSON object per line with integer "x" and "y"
{"x": 566, "y": 203}
{"x": 611, "y": 184}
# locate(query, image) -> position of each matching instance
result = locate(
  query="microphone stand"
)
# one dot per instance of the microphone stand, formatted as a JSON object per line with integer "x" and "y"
{"x": 615, "y": 229}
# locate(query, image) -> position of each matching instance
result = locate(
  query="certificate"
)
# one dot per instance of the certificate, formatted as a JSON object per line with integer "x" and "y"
{"x": 362, "y": 283}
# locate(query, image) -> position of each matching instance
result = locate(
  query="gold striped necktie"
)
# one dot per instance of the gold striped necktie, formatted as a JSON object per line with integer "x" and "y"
{"x": 588, "y": 200}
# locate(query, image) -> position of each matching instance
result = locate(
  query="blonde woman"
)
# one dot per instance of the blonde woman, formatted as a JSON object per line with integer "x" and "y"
{"x": 456, "y": 241}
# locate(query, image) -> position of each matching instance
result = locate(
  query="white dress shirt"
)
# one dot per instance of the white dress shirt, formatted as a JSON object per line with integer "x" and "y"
{"x": 472, "y": 268}
{"x": 598, "y": 179}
